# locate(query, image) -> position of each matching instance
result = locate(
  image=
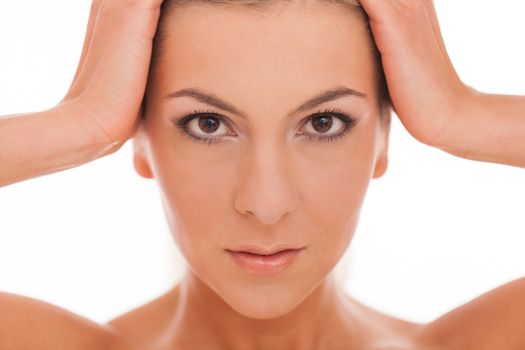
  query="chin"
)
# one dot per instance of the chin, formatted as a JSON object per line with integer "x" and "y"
{"x": 264, "y": 306}
{"x": 265, "y": 300}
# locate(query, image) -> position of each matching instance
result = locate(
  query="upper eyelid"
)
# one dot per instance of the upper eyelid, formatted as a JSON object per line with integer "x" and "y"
{"x": 349, "y": 120}
{"x": 221, "y": 117}
{"x": 321, "y": 98}
{"x": 229, "y": 122}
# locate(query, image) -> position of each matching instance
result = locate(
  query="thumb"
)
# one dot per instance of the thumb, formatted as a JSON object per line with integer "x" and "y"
{"x": 378, "y": 10}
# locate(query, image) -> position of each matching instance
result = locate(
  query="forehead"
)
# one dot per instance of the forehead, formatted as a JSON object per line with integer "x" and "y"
{"x": 298, "y": 47}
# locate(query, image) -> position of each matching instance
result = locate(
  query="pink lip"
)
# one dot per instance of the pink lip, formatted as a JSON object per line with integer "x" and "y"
{"x": 265, "y": 265}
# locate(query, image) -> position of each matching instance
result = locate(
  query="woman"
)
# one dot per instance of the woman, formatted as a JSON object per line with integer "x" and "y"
{"x": 265, "y": 174}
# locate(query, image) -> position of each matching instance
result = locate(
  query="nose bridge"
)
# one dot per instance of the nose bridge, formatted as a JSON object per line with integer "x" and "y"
{"x": 266, "y": 189}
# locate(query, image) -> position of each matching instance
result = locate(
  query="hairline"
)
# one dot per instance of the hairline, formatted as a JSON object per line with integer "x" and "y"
{"x": 266, "y": 6}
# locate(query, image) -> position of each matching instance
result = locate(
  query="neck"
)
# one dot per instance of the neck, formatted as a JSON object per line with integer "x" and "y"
{"x": 326, "y": 319}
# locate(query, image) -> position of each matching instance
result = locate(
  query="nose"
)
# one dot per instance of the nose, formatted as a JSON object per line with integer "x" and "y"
{"x": 266, "y": 189}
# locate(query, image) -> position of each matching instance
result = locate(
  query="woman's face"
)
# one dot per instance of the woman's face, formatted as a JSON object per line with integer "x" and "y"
{"x": 270, "y": 178}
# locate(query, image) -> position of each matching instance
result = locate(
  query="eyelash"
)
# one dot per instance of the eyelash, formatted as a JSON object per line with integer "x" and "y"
{"x": 349, "y": 122}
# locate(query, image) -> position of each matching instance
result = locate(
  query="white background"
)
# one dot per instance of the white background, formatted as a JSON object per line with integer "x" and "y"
{"x": 435, "y": 232}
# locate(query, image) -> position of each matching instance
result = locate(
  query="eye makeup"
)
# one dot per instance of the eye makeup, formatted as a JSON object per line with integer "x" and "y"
{"x": 327, "y": 115}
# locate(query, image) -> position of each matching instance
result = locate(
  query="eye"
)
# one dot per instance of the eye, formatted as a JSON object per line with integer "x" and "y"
{"x": 322, "y": 122}
{"x": 208, "y": 127}
{"x": 203, "y": 127}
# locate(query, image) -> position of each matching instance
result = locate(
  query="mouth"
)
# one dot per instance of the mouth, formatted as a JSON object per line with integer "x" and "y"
{"x": 264, "y": 251}
{"x": 264, "y": 264}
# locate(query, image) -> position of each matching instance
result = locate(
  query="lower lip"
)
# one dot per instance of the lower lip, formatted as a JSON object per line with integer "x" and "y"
{"x": 265, "y": 265}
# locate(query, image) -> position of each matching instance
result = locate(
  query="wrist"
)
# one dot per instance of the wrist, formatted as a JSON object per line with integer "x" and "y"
{"x": 454, "y": 123}
{"x": 82, "y": 131}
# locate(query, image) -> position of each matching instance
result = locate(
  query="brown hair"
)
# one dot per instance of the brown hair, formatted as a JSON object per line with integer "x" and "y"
{"x": 263, "y": 5}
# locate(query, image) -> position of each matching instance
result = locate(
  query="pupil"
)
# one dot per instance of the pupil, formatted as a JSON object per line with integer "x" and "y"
{"x": 322, "y": 124}
{"x": 208, "y": 124}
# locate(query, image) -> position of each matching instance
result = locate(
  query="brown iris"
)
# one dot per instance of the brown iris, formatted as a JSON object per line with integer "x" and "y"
{"x": 322, "y": 123}
{"x": 208, "y": 124}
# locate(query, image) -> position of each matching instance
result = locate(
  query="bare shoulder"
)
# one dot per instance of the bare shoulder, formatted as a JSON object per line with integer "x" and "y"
{"x": 27, "y": 324}
{"x": 493, "y": 320}
{"x": 144, "y": 325}
{"x": 387, "y": 332}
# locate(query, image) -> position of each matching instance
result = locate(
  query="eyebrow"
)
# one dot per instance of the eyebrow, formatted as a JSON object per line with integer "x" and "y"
{"x": 210, "y": 99}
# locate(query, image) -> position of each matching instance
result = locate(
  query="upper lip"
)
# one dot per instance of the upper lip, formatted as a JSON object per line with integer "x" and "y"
{"x": 264, "y": 251}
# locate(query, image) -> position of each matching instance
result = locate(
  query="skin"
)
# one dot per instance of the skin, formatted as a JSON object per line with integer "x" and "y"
{"x": 265, "y": 185}
{"x": 268, "y": 180}
{"x": 432, "y": 102}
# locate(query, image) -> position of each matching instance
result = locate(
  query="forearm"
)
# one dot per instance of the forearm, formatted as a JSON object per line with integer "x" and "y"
{"x": 491, "y": 128}
{"x": 40, "y": 143}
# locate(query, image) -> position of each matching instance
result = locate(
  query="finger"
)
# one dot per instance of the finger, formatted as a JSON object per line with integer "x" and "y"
{"x": 377, "y": 10}
{"x": 117, "y": 63}
{"x": 95, "y": 5}
{"x": 431, "y": 10}
{"x": 90, "y": 51}
{"x": 119, "y": 28}
{"x": 369, "y": 7}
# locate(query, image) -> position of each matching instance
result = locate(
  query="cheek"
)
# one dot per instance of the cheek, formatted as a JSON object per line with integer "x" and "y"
{"x": 200, "y": 183}
{"x": 333, "y": 194}
{"x": 195, "y": 197}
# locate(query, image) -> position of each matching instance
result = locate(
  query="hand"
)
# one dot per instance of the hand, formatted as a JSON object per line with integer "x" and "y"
{"x": 111, "y": 77}
{"x": 426, "y": 91}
